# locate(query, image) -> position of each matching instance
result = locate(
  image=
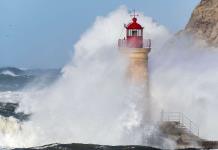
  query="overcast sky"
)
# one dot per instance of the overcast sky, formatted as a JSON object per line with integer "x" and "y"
{"x": 41, "y": 33}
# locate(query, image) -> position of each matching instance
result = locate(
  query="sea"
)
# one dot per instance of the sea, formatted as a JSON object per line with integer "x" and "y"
{"x": 13, "y": 83}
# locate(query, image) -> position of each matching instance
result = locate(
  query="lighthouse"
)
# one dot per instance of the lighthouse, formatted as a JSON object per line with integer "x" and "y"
{"x": 136, "y": 49}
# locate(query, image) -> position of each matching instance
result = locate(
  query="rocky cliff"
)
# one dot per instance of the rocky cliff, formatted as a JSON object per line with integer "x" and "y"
{"x": 203, "y": 23}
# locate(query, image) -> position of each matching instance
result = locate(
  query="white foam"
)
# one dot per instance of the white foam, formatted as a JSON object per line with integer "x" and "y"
{"x": 91, "y": 103}
{"x": 10, "y": 73}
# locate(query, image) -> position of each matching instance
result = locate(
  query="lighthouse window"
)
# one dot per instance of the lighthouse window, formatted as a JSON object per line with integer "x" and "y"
{"x": 139, "y": 33}
{"x": 129, "y": 32}
{"x": 134, "y": 32}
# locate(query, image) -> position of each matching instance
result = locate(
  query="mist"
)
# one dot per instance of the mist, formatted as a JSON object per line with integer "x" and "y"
{"x": 184, "y": 79}
{"x": 93, "y": 103}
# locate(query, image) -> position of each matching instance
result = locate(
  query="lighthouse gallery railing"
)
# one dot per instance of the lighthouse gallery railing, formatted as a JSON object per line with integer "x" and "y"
{"x": 123, "y": 43}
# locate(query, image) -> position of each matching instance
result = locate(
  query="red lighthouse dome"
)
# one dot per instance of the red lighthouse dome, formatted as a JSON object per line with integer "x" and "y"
{"x": 134, "y": 24}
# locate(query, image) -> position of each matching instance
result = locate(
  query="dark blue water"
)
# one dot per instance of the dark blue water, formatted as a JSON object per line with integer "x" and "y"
{"x": 13, "y": 79}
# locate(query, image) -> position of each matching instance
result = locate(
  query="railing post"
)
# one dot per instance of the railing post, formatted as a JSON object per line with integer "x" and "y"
{"x": 182, "y": 119}
{"x": 149, "y": 43}
{"x": 179, "y": 118}
{"x": 190, "y": 122}
{"x": 162, "y": 115}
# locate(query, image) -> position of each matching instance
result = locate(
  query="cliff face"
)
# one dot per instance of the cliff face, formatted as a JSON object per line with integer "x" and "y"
{"x": 203, "y": 23}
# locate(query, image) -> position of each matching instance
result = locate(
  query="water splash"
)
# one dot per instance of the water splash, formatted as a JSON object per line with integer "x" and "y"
{"x": 91, "y": 102}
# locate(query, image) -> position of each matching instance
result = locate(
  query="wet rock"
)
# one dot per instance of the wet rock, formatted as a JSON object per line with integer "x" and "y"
{"x": 77, "y": 146}
{"x": 9, "y": 110}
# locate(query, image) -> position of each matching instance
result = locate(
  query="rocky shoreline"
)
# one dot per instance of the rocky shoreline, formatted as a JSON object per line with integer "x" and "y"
{"x": 78, "y": 146}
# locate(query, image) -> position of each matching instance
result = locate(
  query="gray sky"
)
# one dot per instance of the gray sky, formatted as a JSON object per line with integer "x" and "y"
{"x": 41, "y": 33}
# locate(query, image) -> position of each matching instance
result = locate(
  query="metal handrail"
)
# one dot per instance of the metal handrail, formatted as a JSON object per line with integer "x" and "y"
{"x": 182, "y": 120}
{"x": 146, "y": 43}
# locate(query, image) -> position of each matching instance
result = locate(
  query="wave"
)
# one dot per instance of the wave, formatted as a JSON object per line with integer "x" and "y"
{"x": 11, "y": 71}
{"x": 7, "y": 72}
{"x": 9, "y": 125}
{"x": 12, "y": 79}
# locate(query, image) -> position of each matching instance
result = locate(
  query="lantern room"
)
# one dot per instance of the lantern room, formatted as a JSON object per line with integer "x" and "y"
{"x": 134, "y": 36}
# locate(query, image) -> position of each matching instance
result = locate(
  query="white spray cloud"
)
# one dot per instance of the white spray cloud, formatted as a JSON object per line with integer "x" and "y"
{"x": 91, "y": 103}
{"x": 184, "y": 79}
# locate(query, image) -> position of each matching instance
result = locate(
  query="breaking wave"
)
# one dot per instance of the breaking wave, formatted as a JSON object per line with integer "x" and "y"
{"x": 13, "y": 79}
{"x": 9, "y": 73}
{"x": 92, "y": 102}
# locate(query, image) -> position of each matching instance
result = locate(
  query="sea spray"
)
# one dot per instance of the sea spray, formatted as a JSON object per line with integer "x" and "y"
{"x": 91, "y": 102}
{"x": 184, "y": 79}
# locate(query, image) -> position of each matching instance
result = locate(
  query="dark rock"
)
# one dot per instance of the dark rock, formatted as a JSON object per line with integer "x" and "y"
{"x": 8, "y": 110}
{"x": 78, "y": 146}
